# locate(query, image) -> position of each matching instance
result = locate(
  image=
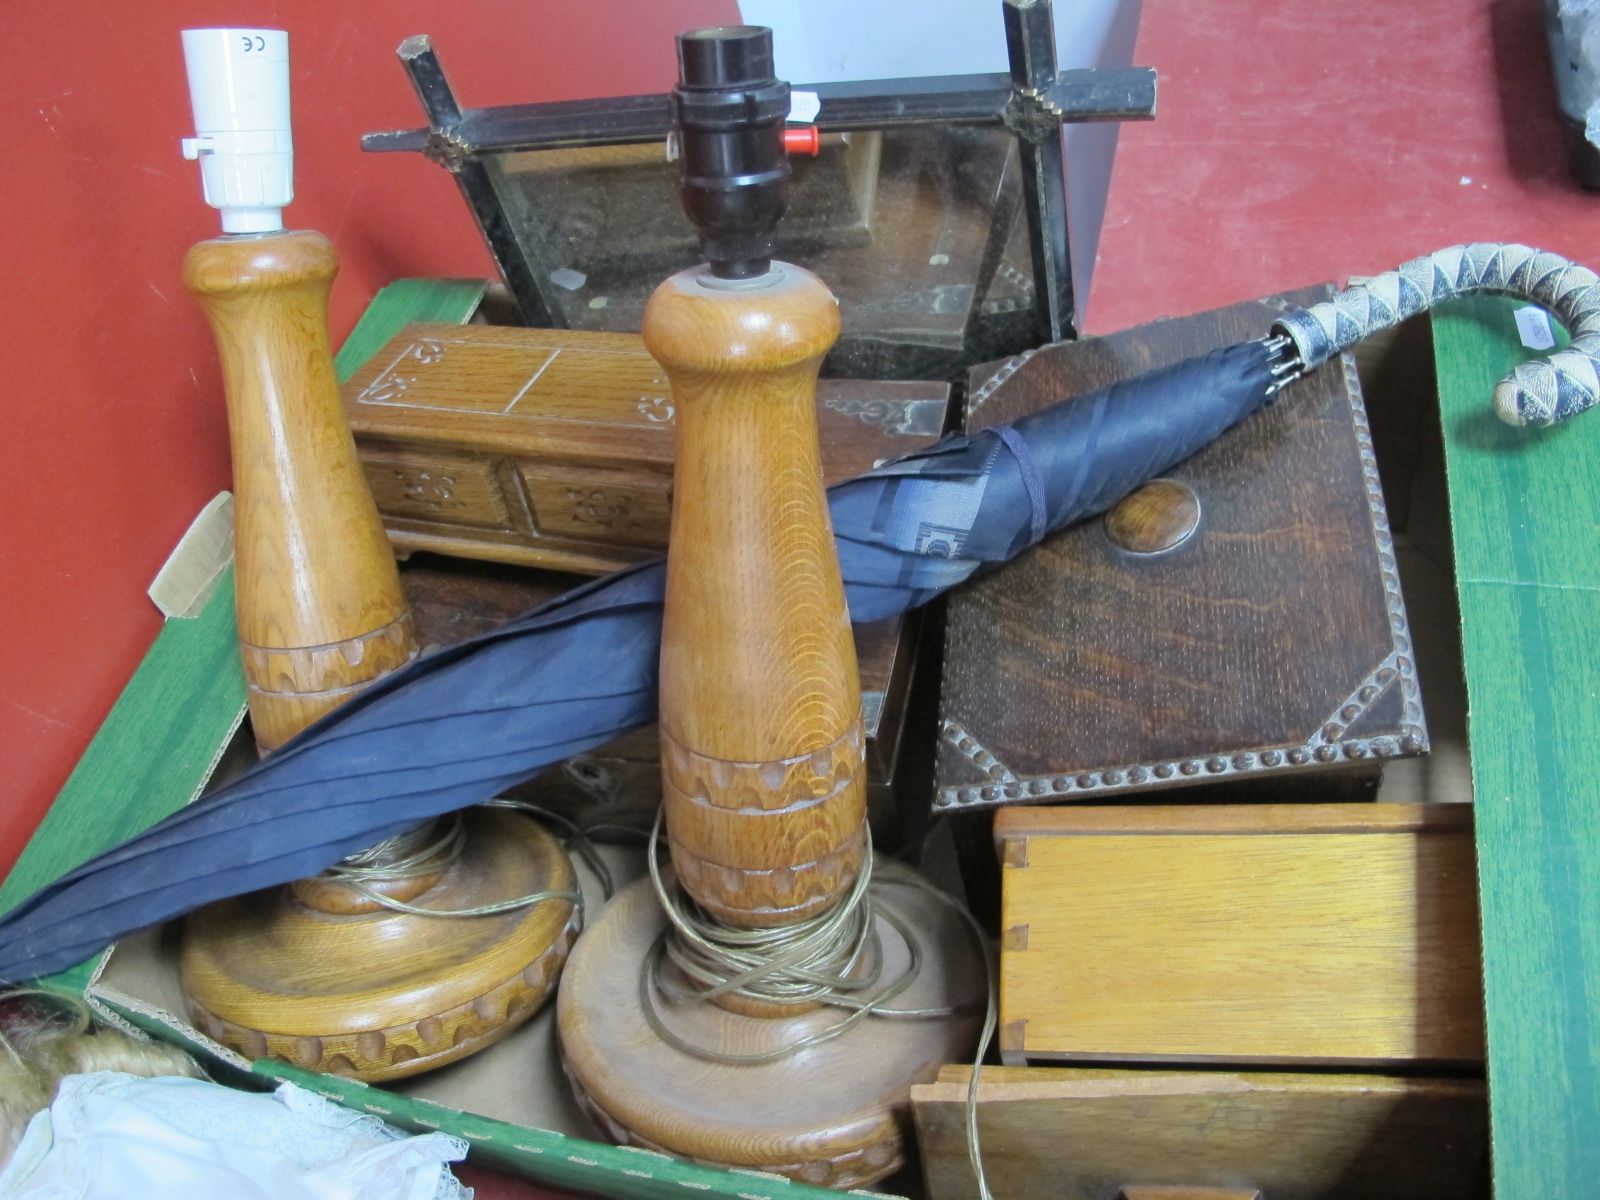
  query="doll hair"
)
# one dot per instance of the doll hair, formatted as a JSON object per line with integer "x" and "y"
{"x": 46, "y": 1036}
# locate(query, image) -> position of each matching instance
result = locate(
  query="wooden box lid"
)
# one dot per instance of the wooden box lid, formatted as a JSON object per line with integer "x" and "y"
{"x": 1281, "y": 933}
{"x": 568, "y": 395}
{"x": 1272, "y": 638}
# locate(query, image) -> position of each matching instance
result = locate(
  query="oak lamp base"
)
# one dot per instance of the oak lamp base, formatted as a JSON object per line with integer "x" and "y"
{"x": 836, "y": 1114}
{"x": 383, "y": 995}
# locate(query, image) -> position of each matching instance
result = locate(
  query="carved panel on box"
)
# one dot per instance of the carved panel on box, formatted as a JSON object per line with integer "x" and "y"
{"x": 599, "y": 506}
{"x": 517, "y": 372}
{"x": 1242, "y": 616}
{"x": 448, "y": 488}
{"x": 408, "y": 380}
{"x": 554, "y": 447}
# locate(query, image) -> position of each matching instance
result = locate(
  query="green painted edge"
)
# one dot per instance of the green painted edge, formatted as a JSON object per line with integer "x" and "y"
{"x": 1525, "y": 517}
{"x": 442, "y": 301}
{"x": 158, "y": 747}
{"x": 151, "y": 756}
{"x": 552, "y": 1158}
{"x": 222, "y": 1068}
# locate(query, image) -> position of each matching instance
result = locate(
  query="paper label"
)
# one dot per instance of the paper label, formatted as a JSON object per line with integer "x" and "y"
{"x": 804, "y": 107}
{"x": 1533, "y": 327}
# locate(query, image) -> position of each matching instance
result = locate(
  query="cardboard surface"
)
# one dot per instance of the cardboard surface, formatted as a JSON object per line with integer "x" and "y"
{"x": 518, "y": 1080}
{"x": 510, "y": 1102}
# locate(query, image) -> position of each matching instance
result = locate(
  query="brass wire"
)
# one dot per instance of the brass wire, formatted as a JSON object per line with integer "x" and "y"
{"x": 808, "y": 962}
{"x": 433, "y": 846}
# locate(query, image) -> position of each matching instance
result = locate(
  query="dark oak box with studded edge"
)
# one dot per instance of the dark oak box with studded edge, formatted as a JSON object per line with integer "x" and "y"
{"x": 1241, "y": 617}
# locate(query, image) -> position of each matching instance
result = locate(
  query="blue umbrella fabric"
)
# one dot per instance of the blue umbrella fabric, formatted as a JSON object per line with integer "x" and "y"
{"x": 461, "y": 725}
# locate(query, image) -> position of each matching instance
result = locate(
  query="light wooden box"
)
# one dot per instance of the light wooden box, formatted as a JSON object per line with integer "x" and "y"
{"x": 1327, "y": 935}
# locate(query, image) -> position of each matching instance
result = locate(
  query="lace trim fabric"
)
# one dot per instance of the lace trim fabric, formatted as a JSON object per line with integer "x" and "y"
{"x": 109, "y": 1135}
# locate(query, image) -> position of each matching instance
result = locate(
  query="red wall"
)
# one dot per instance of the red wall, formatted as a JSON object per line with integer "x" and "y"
{"x": 1305, "y": 142}
{"x": 110, "y": 398}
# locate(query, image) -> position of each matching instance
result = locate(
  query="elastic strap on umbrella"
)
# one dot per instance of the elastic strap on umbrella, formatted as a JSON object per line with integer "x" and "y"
{"x": 1032, "y": 481}
{"x": 1541, "y": 392}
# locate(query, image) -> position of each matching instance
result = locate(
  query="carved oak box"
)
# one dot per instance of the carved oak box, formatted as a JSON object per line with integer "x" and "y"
{"x": 1241, "y": 617}
{"x": 554, "y": 448}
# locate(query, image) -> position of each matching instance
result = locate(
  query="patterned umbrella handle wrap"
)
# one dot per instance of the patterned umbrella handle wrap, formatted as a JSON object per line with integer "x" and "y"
{"x": 1541, "y": 392}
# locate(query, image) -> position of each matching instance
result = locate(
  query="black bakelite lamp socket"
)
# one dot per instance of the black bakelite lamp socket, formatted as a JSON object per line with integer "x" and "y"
{"x": 730, "y": 111}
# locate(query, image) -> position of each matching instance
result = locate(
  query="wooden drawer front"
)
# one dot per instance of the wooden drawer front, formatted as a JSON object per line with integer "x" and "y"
{"x": 1095, "y": 1133}
{"x": 1242, "y": 934}
{"x": 598, "y": 506}
{"x": 443, "y": 488}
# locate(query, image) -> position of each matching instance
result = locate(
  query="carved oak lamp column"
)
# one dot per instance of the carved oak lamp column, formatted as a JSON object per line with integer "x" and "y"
{"x": 760, "y": 718}
{"x": 319, "y": 973}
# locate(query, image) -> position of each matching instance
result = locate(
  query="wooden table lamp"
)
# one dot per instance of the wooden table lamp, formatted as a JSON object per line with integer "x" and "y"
{"x": 326, "y": 973}
{"x": 667, "y": 1039}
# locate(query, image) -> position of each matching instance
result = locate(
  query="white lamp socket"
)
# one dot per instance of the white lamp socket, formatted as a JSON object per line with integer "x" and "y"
{"x": 239, "y": 89}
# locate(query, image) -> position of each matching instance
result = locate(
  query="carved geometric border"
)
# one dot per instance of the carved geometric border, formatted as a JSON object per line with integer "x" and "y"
{"x": 1326, "y": 746}
{"x": 848, "y": 1170}
{"x": 396, "y": 1051}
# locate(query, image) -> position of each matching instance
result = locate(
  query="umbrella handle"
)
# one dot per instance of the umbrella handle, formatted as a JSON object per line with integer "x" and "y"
{"x": 1542, "y": 391}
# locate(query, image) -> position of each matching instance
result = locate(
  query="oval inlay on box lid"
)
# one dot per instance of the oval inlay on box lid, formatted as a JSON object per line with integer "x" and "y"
{"x": 1164, "y": 513}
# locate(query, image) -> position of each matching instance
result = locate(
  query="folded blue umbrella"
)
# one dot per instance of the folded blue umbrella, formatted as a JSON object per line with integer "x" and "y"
{"x": 463, "y": 724}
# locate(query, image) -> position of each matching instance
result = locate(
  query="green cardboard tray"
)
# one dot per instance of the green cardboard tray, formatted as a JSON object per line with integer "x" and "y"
{"x": 155, "y": 752}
